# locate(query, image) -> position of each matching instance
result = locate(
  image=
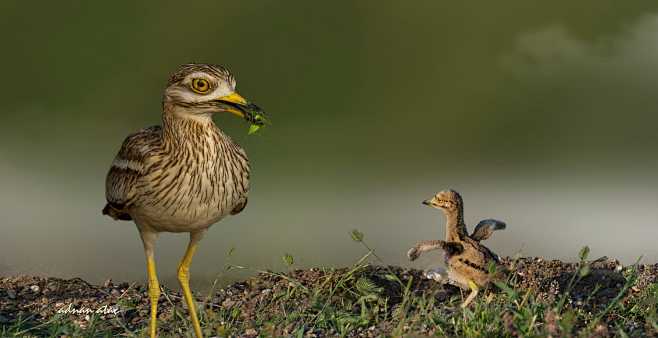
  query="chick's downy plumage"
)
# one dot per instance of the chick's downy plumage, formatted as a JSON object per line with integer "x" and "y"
{"x": 469, "y": 263}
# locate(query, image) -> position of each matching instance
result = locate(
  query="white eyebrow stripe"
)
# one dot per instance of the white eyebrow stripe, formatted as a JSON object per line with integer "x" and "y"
{"x": 120, "y": 163}
{"x": 197, "y": 75}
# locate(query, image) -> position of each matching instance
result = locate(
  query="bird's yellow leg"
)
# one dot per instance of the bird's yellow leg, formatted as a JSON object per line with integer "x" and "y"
{"x": 154, "y": 294}
{"x": 474, "y": 292}
{"x": 184, "y": 279}
{"x": 148, "y": 239}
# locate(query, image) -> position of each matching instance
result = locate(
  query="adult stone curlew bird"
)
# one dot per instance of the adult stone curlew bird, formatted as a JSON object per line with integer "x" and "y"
{"x": 467, "y": 260}
{"x": 185, "y": 175}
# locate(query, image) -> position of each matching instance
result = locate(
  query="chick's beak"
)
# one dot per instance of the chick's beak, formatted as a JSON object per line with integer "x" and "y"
{"x": 427, "y": 202}
{"x": 237, "y": 105}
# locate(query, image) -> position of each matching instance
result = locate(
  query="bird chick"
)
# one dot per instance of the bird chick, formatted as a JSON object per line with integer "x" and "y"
{"x": 467, "y": 260}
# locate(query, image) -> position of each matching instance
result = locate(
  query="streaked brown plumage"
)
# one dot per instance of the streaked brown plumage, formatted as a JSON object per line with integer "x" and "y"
{"x": 187, "y": 174}
{"x": 467, "y": 260}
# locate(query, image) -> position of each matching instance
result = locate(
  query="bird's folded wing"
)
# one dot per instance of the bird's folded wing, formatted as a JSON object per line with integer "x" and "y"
{"x": 130, "y": 164}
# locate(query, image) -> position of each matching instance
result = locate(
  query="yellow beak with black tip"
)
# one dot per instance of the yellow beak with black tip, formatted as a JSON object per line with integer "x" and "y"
{"x": 239, "y": 106}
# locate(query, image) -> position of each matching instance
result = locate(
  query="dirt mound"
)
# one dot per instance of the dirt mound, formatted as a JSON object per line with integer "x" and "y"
{"x": 365, "y": 300}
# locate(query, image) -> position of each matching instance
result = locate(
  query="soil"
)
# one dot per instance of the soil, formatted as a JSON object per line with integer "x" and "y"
{"x": 37, "y": 299}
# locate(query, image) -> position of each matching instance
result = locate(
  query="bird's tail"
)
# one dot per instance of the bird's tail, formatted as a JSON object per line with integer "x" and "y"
{"x": 115, "y": 213}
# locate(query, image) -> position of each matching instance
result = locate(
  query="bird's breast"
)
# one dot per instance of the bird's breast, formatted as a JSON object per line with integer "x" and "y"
{"x": 192, "y": 191}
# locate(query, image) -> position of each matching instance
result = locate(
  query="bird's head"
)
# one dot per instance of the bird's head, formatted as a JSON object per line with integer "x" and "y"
{"x": 201, "y": 89}
{"x": 447, "y": 200}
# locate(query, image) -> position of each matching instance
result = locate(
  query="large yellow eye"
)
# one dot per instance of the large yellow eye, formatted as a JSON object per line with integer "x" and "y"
{"x": 200, "y": 86}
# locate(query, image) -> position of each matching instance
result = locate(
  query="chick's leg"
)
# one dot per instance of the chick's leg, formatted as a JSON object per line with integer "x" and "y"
{"x": 474, "y": 292}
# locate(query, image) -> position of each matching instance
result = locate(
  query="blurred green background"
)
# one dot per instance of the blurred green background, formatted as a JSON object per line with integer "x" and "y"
{"x": 542, "y": 114}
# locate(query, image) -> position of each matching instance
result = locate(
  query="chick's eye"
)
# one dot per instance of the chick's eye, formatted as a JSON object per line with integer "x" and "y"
{"x": 200, "y": 86}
